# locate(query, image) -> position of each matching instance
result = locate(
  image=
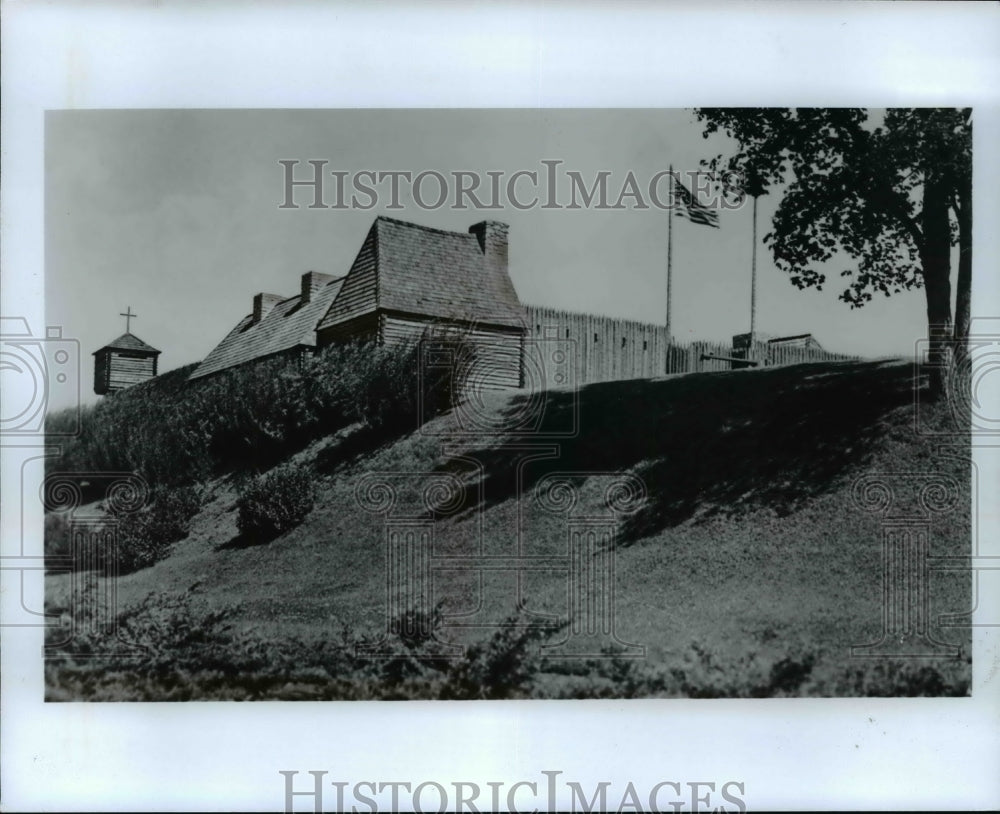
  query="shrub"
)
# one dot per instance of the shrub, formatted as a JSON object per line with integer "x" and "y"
{"x": 173, "y": 431}
{"x": 57, "y": 538}
{"x": 276, "y": 502}
{"x": 887, "y": 678}
{"x": 255, "y": 415}
{"x": 503, "y": 666}
{"x": 145, "y": 537}
{"x": 189, "y": 650}
{"x": 194, "y": 649}
{"x": 387, "y": 399}
{"x": 137, "y": 547}
{"x": 170, "y": 515}
{"x": 384, "y": 386}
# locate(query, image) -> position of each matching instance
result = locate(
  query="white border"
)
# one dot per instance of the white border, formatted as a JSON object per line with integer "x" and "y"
{"x": 924, "y": 754}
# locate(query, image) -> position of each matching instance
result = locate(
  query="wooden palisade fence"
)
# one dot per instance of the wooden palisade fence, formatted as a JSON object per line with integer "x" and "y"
{"x": 572, "y": 348}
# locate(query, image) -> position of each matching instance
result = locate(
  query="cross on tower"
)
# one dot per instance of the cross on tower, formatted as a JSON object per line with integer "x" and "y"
{"x": 128, "y": 318}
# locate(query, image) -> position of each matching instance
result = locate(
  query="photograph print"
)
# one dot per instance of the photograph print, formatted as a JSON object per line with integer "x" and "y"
{"x": 509, "y": 404}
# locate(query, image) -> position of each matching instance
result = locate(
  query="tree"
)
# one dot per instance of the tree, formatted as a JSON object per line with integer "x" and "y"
{"x": 894, "y": 195}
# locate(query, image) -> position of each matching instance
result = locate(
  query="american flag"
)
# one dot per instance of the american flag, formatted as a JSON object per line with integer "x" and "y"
{"x": 691, "y": 209}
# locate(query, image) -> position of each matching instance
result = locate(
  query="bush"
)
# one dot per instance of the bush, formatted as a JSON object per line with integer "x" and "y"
{"x": 174, "y": 432}
{"x": 170, "y": 515}
{"x": 276, "y": 502}
{"x": 138, "y": 548}
{"x": 503, "y": 666}
{"x": 146, "y": 537}
{"x": 57, "y": 538}
{"x": 383, "y": 385}
{"x": 895, "y": 678}
{"x": 193, "y": 649}
{"x": 189, "y": 650}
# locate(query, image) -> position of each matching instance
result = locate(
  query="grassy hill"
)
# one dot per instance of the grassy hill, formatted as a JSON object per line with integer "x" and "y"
{"x": 746, "y": 569}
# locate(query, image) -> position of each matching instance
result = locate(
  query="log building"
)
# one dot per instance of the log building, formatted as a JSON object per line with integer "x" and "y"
{"x": 405, "y": 279}
{"x": 123, "y": 363}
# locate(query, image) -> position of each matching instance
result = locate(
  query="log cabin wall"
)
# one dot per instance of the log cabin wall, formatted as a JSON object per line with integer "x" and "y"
{"x": 121, "y": 364}
{"x": 497, "y": 360}
{"x": 127, "y": 369}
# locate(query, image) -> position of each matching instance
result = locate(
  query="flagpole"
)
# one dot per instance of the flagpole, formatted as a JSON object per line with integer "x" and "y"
{"x": 670, "y": 248}
{"x": 753, "y": 280}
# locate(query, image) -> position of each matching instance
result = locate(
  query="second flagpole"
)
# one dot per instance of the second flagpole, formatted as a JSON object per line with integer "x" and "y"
{"x": 670, "y": 229}
{"x": 753, "y": 280}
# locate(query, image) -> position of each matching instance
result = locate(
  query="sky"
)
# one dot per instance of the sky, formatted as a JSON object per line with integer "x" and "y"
{"x": 176, "y": 213}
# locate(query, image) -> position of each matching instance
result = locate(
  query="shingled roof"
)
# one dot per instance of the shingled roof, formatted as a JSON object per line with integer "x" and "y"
{"x": 127, "y": 341}
{"x": 401, "y": 267}
{"x": 288, "y": 324}
{"x": 428, "y": 272}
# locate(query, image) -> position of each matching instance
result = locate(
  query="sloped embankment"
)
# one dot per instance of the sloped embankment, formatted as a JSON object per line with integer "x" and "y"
{"x": 742, "y": 566}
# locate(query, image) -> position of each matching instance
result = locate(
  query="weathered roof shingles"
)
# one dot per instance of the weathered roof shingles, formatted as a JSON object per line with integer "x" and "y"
{"x": 284, "y": 327}
{"x": 128, "y": 341}
{"x": 400, "y": 267}
{"x": 428, "y": 272}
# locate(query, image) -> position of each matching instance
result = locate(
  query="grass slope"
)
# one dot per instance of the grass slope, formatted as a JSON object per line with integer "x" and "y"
{"x": 747, "y": 570}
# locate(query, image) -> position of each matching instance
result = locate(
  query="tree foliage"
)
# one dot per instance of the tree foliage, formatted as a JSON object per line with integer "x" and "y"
{"x": 892, "y": 193}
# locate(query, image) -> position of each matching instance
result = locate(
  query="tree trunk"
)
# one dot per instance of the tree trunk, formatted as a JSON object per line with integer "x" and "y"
{"x": 963, "y": 296}
{"x": 935, "y": 258}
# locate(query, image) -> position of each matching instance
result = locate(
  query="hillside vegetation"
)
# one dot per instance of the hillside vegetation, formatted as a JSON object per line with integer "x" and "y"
{"x": 173, "y": 431}
{"x": 746, "y": 569}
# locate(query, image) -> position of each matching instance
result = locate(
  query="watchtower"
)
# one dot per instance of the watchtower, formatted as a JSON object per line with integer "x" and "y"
{"x": 124, "y": 362}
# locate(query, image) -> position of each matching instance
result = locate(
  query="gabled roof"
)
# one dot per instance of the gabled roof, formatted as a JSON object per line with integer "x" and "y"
{"x": 430, "y": 272}
{"x": 128, "y": 341}
{"x": 285, "y": 326}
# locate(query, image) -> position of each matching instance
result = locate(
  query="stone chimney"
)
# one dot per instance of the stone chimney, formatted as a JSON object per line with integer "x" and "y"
{"x": 262, "y": 305}
{"x": 312, "y": 281}
{"x": 492, "y": 237}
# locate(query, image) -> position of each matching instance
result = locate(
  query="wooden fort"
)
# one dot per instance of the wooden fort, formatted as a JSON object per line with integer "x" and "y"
{"x": 404, "y": 279}
{"x": 125, "y": 362}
